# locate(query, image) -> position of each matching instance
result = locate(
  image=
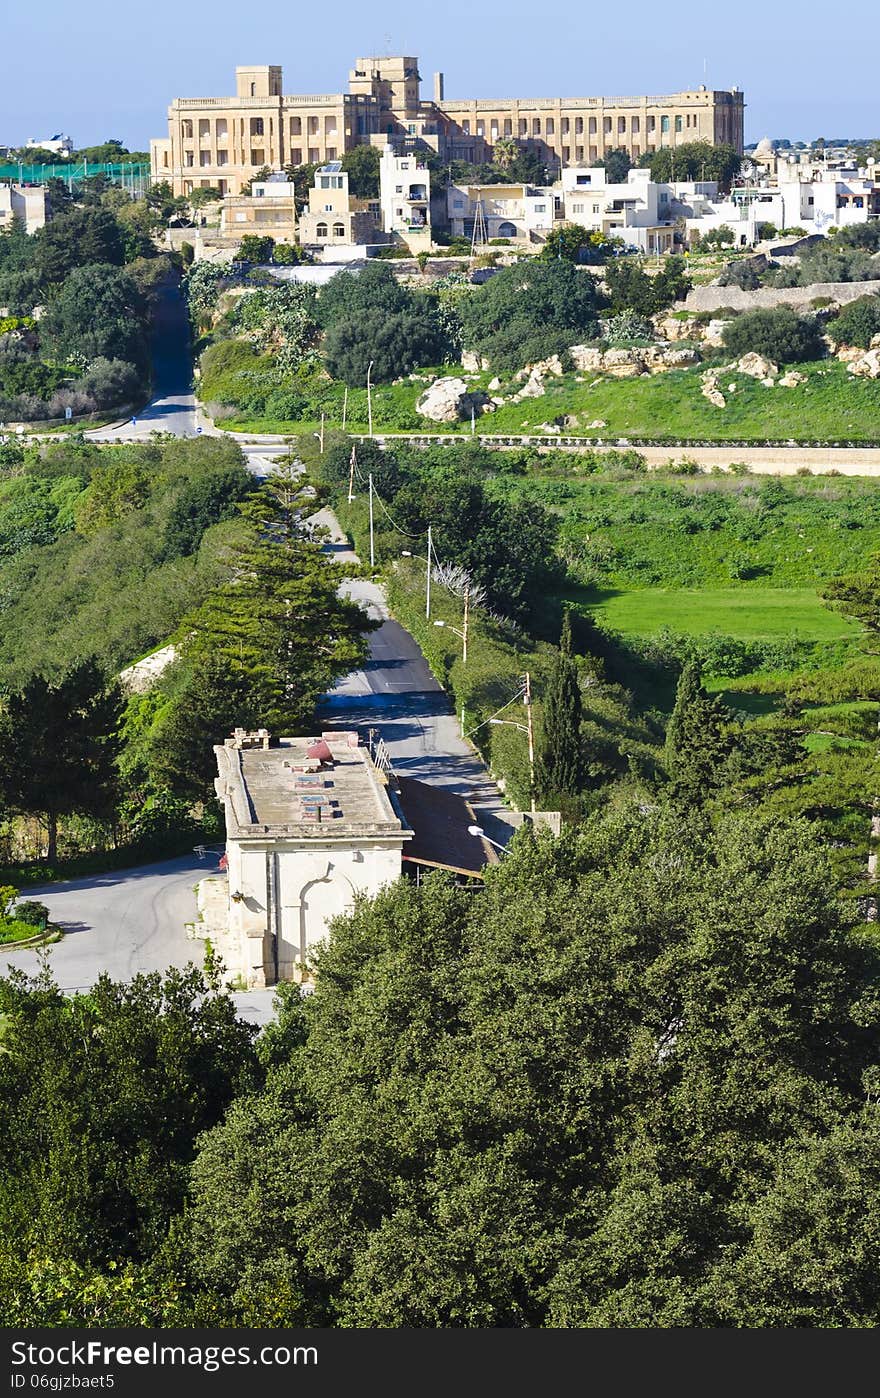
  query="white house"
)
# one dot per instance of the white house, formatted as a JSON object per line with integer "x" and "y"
{"x": 636, "y": 210}
{"x": 59, "y": 145}
{"x": 309, "y": 824}
{"x": 28, "y": 202}
{"x": 405, "y": 198}
{"x": 518, "y": 211}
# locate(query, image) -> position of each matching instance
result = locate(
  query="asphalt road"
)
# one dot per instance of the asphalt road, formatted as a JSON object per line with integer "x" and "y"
{"x": 173, "y": 407}
{"x": 122, "y": 922}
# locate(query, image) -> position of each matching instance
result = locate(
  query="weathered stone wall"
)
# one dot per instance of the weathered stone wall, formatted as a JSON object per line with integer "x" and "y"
{"x": 714, "y": 298}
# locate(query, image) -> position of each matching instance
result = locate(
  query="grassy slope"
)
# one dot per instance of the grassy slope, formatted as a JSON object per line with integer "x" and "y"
{"x": 748, "y": 613}
{"x": 831, "y": 405}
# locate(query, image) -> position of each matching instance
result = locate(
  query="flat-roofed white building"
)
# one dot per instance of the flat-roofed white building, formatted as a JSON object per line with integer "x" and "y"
{"x": 309, "y": 824}
{"x": 27, "y": 202}
{"x": 522, "y": 212}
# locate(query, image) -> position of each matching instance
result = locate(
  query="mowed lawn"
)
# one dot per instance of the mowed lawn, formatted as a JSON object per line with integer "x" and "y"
{"x": 748, "y": 613}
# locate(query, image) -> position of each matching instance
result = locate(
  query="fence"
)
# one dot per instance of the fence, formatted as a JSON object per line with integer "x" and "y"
{"x": 134, "y": 175}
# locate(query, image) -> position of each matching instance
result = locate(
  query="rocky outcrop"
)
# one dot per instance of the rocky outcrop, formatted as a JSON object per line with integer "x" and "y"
{"x": 473, "y": 363}
{"x": 868, "y": 366}
{"x": 710, "y": 390}
{"x": 630, "y": 363}
{"x": 449, "y": 399}
{"x": 791, "y": 379}
{"x": 757, "y": 367}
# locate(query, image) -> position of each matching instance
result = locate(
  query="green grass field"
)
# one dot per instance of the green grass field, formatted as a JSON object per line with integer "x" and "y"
{"x": 831, "y": 406}
{"x": 748, "y": 614}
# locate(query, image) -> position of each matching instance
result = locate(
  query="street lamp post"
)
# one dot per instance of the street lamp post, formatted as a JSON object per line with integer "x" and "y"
{"x": 426, "y": 558}
{"x": 463, "y": 633}
{"x": 480, "y": 833}
{"x": 524, "y": 728}
{"x": 372, "y": 549}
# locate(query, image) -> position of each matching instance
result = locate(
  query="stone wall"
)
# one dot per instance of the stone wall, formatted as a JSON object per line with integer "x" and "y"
{"x": 715, "y": 298}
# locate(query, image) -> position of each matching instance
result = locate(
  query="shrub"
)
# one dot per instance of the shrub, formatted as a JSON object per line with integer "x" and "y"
{"x": 779, "y": 334}
{"x": 395, "y": 344}
{"x": 744, "y": 274}
{"x": 34, "y": 914}
{"x": 257, "y": 248}
{"x": 857, "y": 323}
{"x": 530, "y": 300}
{"x": 375, "y": 288}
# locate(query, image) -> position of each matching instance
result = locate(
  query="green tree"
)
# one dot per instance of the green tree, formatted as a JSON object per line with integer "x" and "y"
{"x": 77, "y": 238}
{"x": 560, "y": 764}
{"x": 375, "y": 288}
{"x": 256, "y": 248}
{"x": 697, "y": 744}
{"x": 857, "y": 323}
{"x": 98, "y": 314}
{"x": 557, "y": 1103}
{"x": 780, "y": 334}
{"x": 59, "y": 748}
{"x": 394, "y": 344}
{"x": 617, "y": 165}
{"x": 572, "y": 242}
{"x": 362, "y": 166}
{"x": 695, "y": 160}
{"x": 279, "y": 624}
{"x": 524, "y": 306}
{"x": 102, "y": 1098}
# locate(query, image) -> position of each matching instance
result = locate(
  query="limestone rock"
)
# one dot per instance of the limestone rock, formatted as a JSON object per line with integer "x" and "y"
{"x": 532, "y": 388}
{"x": 868, "y": 367}
{"x": 541, "y": 369}
{"x": 448, "y": 399}
{"x": 586, "y": 357}
{"x": 757, "y": 367}
{"x": 494, "y": 385}
{"x": 792, "y": 379}
{"x": 473, "y": 363}
{"x": 715, "y": 398}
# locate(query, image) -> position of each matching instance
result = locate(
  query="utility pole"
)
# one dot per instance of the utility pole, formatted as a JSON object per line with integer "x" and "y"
{"x": 369, "y": 398}
{"x": 372, "y": 550}
{"x": 428, "y": 580}
{"x": 322, "y": 434}
{"x": 527, "y": 700}
{"x": 344, "y": 407}
{"x": 464, "y": 630}
{"x": 351, "y": 467}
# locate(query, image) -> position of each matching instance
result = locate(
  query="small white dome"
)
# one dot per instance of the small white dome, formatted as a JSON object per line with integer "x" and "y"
{"x": 764, "y": 147}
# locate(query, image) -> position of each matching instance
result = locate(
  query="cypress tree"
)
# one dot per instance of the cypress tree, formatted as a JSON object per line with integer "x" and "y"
{"x": 560, "y": 764}
{"x": 697, "y": 745}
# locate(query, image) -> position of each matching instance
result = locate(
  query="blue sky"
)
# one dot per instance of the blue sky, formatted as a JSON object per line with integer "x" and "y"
{"x": 100, "y": 69}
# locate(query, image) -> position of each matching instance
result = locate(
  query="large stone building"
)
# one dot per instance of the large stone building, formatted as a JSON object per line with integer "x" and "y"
{"x": 223, "y": 141}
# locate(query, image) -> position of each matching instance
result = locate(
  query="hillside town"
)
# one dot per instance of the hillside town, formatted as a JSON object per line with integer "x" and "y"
{"x": 439, "y": 710}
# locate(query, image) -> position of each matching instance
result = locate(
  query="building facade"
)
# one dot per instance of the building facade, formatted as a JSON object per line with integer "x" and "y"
{"x": 27, "y": 202}
{"x": 223, "y": 141}
{"x": 270, "y": 208}
{"x": 334, "y": 217}
{"x": 309, "y": 824}
{"x": 405, "y": 198}
{"x": 520, "y": 212}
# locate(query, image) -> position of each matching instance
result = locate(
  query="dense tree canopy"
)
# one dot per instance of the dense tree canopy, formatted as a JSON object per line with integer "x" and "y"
{"x": 394, "y": 343}
{"x": 362, "y": 165}
{"x": 595, "y": 1095}
{"x": 780, "y": 334}
{"x": 529, "y": 307}
{"x": 694, "y": 160}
